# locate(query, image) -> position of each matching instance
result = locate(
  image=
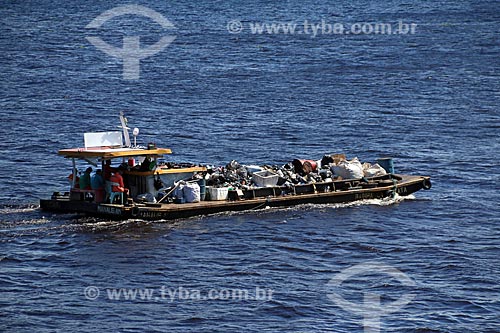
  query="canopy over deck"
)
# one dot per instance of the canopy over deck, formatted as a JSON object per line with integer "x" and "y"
{"x": 109, "y": 153}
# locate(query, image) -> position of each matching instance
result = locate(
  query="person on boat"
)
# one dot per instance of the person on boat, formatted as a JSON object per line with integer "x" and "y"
{"x": 147, "y": 164}
{"x": 117, "y": 180}
{"x": 108, "y": 170}
{"x": 85, "y": 179}
{"x": 96, "y": 181}
{"x": 77, "y": 181}
{"x": 97, "y": 184}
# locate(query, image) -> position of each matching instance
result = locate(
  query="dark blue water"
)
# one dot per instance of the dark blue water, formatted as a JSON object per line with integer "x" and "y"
{"x": 429, "y": 99}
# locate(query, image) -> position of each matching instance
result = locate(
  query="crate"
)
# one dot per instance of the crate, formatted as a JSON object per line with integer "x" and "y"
{"x": 217, "y": 193}
{"x": 265, "y": 178}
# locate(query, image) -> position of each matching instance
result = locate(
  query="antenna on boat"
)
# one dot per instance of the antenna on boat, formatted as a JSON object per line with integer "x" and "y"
{"x": 125, "y": 129}
{"x": 135, "y": 132}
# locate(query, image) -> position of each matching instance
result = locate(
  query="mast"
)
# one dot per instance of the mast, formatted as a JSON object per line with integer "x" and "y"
{"x": 125, "y": 129}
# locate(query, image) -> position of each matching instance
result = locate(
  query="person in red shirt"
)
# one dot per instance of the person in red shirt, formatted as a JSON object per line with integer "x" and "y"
{"x": 118, "y": 179}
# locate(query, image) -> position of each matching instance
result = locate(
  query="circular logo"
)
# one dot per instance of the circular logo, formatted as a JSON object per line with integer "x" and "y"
{"x": 91, "y": 293}
{"x": 234, "y": 26}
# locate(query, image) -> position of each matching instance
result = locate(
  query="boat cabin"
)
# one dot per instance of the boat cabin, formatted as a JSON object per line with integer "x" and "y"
{"x": 143, "y": 168}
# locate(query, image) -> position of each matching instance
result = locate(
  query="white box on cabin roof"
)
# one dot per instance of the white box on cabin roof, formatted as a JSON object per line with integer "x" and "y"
{"x": 103, "y": 139}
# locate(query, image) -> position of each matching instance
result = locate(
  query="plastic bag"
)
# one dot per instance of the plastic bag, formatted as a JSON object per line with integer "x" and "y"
{"x": 191, "y": 192}
{"x": 349, "y": 169}
{"x": 373, "y": 170}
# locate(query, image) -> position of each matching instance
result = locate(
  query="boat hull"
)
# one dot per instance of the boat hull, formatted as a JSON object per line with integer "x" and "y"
{"x": 405, "y": 185}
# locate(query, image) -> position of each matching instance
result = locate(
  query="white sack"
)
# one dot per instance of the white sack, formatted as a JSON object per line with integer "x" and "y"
{"x": 348, "y": 169}
{"x": 374, "y": 170}
{"x": 191, "y": 192}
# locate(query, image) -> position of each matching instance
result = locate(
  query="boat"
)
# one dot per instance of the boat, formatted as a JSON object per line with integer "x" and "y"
{"x": 147, "y": 174}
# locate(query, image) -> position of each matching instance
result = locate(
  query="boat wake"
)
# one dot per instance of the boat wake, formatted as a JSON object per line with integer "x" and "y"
{"x": 366, "y": 202}
{"x": 20, "y": 214}
{"x": 311, "y": 207}
{"x": 24, "y": 219}
{"x": 110, "y": 225}
{"x": 381, "y": 202}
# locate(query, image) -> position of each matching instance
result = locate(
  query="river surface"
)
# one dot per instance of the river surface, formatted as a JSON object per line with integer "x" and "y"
{"x": 429, "y": 99}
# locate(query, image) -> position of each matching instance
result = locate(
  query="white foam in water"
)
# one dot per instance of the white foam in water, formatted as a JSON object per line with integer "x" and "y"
{"x": 19, "y": 209}
{"x": 385, "y": 201}
{"x": 376, "y": 202}
{"x": 103, "y": 225}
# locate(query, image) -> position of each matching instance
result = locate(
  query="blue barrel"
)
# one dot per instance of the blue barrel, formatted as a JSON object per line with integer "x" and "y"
{"x": 202, "y": 184}
{"x": 387, "y": 164}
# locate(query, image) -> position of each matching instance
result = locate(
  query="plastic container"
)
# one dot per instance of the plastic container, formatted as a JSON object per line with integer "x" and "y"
{"x": 203, "y": 192}
{"x": 265, "y": 178}
{"x": 387, "y": 163}
{"x": 253, "y": 168}
{"x": 217, "y": 193}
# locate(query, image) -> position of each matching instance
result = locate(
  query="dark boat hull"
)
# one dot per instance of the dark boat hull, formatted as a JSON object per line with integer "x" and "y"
{"x": 405, "y": 185}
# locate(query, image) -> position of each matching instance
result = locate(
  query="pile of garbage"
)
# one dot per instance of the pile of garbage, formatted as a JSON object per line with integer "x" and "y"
{"x": 217, "y": 182}
{"x": 329, "y": 168}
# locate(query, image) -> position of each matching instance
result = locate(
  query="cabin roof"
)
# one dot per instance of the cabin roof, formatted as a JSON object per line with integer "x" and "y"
{"x": 109, "y": 153}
